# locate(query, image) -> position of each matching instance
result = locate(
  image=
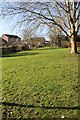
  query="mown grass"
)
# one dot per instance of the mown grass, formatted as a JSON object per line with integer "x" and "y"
{"x": 41, "y": 83}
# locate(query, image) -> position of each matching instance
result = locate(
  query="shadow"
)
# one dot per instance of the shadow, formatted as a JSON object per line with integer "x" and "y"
{"x": 18, "y": 54}
{"x": 11, "y": 118}
{"x": 43, "y": 107}
{"x": 49, "y": 48}
{"x": 78, "y": 52}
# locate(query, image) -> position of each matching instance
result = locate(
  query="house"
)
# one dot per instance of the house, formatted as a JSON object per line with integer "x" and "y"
{"x": 10, "y": 40}
{"x": 36, "y": 42}
{"x": 47, "y": 43}
{"x": 3, "y": 42}
{"x": 77, "y": 42}
{"x": 64, "y": 41}
{"x": 59, "y": 41}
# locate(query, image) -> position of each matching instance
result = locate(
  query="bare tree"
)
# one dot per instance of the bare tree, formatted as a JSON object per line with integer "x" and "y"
{"x": 27, "y": 35}
{"x": 63, "y": 14}
{"x": 55, "y": 34}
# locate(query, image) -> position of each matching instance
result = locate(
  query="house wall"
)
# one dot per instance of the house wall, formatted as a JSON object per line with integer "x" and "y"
{"x": 11, "y": 40}
{"x": 5, "y": 37}
{"x": 3, "y": 42}
{"x": 0, "y": 41}
{"x": 36, "y": 42}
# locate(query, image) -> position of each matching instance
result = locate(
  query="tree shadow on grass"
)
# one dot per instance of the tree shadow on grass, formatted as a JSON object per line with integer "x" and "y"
{"x": 18, "y": 54}
{"x": 50, "y": 48}
{"x": 11, "y": 118}
{"x": 43, "y": 107}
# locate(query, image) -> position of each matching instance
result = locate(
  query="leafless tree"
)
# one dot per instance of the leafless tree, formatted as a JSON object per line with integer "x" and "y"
{"x": 27, "y": 35}
{"x": 64, "y": 14}
{"x": 55, "y": 35}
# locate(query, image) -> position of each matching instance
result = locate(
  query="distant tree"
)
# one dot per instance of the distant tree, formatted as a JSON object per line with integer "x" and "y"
{"x": 63, "y": 14}
{"x": 26, "y": 35}
{"x": 55, "y": 34}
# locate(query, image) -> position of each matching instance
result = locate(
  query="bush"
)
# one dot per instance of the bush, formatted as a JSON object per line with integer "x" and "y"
{"x": 25, "y": 47}
{"x": 18, "y": 48}
{"x": 7, "y": 50}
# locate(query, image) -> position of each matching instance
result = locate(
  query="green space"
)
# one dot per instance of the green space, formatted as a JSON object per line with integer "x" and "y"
{"x": 40, "y": 83}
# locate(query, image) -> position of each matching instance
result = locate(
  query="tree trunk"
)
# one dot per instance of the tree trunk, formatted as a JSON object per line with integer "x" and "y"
{"x": 73, "y": 44}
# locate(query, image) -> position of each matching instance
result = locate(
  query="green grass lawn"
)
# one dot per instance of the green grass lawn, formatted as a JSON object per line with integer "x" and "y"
{"x": 42, "y": 83}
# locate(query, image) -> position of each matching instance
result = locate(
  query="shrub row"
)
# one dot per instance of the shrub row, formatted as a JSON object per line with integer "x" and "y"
{"x": 11, "y": 49}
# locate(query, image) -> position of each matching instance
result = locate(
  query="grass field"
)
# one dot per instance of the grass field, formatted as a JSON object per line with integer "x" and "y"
{"x": 42, "y": 83}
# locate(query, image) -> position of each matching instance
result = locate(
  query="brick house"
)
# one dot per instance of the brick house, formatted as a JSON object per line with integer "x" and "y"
{"x": 36, "y": 42}
{"x": 10, "y": 40}
{"x": 59, "y": 41}
{"x": 77, "y": 42}
{"x": 3, "y": 42}
{"x": 63, "y": 41}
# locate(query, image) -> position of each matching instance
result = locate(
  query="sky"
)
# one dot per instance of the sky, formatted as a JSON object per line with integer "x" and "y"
{"x": 26, "y": 0}
{"x": 6, "y": 27}
{"x": 9, "y": 26}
